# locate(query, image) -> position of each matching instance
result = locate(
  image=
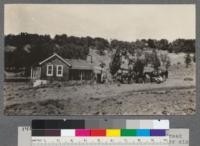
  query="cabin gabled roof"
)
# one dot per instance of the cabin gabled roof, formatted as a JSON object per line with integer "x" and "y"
{"x": 80, "y": 64}
{"x": 73, "y": 63}
{"x": 55, "y": 55}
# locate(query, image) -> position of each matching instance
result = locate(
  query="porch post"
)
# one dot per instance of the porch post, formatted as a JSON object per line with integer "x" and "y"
{"x": 81, "y": 75}
{"x": 31, "y": 73}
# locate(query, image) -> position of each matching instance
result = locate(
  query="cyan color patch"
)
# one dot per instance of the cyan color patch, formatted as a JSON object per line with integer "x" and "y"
{"x": 142, "y": 132}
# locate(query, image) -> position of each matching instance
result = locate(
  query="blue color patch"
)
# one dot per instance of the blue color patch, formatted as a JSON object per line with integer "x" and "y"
{"x": 143, "y": 132}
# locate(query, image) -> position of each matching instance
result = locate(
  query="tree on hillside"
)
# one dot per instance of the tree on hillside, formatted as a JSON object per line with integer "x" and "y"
{"x": 60, "y": 39}
{"x": 194, "y": 58}
{"x": 29, "y": 49}
{"x": 115, "y": 62}
{"x": 163, "y": 44}
{"x": 140, "y": 44}
{"x": 139, "y": 67}
{"x": 152, "y": 43}
{"x": 101, "y": 45}
{"x": 156, "y": 60}
{"x": 183, "y": 45}
{"x": 188, "y": 60}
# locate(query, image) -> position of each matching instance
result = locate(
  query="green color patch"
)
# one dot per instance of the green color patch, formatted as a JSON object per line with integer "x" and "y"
{"x": 128, "y": 132}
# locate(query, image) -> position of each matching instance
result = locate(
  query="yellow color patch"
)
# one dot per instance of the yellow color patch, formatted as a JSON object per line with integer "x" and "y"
{"x": 113, "y": 132}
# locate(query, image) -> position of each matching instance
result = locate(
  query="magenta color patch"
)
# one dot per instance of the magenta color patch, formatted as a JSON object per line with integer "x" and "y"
{"x": 82, "y": 132}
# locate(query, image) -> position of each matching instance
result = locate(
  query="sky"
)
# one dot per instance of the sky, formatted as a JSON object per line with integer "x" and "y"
{"x": 119, "y": 21}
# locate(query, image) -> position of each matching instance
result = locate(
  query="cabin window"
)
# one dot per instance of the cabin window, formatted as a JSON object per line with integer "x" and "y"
{"x": 59, "y": 72}
{"x": 49, "y": 70}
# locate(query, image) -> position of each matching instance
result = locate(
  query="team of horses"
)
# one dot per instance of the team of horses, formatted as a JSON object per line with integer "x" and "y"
{"x": 130, "y": 76}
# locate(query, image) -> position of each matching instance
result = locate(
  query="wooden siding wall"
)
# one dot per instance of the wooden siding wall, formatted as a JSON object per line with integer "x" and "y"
{"x": 75, "y": 74}
{"x": 55, "y": 61}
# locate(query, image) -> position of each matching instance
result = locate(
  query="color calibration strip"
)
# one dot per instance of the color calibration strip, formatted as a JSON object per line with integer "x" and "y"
{"x": 100, "y": 132}
{"x": 177, "y": 137}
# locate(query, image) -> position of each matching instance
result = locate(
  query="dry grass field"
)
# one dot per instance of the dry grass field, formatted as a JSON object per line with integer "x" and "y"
{"x": 176, "y": 96}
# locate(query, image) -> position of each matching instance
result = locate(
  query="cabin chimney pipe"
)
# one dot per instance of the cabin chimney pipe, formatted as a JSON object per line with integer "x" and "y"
{"x": 91, "y": 58}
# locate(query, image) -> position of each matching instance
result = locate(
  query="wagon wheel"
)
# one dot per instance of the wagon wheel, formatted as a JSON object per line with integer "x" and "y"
{"x": 147, "y": 80}
{"x": 140, "y": 80}
{"x": 158, "y": 82}
{"x": 124, "y": 79}
{"x": 131, "y": 79}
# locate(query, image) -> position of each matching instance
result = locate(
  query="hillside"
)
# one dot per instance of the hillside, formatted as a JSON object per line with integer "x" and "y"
{"x": 97, "y": 59}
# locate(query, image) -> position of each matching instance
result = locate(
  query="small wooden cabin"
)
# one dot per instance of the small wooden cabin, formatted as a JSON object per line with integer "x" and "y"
{"x": 57, "y": 68}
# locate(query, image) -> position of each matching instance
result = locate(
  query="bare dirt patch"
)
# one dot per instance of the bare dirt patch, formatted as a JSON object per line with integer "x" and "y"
{"x": 99, "y": 100}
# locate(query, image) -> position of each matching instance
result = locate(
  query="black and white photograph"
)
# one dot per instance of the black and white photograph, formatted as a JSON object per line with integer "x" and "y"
{"x": 99, "y": 59}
